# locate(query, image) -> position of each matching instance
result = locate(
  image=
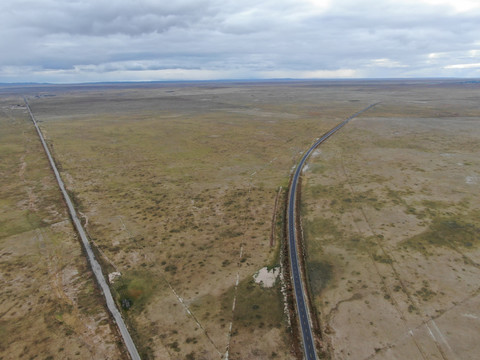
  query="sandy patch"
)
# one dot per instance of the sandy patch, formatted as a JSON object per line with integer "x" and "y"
{"x": 266, "y": 277}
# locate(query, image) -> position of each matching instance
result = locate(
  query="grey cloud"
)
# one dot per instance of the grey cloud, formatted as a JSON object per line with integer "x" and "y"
{"x": 244, "y": 37}
{"x": 101, "y": 18}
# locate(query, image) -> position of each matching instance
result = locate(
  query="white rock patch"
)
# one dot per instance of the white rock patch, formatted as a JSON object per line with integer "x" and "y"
{"x": 266, "y": 277}
{"x": 471, "y": 179}
{"x": 113, "y": 276}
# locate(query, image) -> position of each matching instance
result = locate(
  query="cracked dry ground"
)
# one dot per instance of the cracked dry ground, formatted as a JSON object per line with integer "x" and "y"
{"x": 391, "y": 212}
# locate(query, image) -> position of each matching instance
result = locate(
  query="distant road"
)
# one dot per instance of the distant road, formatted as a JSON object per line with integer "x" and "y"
{"x": 97, "y": 270}
{"x": 300, "y": 295}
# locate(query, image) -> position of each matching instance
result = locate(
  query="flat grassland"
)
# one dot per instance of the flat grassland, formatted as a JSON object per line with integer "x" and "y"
{"x": 50, "y": 306}
{"x": 390, "y": 213}
{"x": 177, "y": 187}
{"x": 176, "y": 184}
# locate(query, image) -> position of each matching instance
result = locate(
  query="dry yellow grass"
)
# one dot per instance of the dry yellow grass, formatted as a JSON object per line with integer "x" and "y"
{"x": 391, "y": 220}
{"x": 177, "y": 186}
{"x": 49, "y": 304}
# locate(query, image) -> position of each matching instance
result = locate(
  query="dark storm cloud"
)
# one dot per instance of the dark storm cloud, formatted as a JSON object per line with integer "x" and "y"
{"x": 89, "y": 40}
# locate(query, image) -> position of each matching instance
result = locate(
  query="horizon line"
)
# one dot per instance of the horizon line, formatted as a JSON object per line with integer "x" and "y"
{"x": 23, "y": 83}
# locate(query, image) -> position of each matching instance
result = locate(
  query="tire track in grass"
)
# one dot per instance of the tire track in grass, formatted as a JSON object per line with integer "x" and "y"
{"x": 229, "y": 335}
{"x": 397, "y": 277}
{"x": 234, "y": 302}
{"x": 375, "y": 265}
{"x": 410, "y": 333}
{"x": 192, "y": 315}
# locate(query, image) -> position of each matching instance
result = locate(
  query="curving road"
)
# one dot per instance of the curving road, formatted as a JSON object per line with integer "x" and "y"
{"x": 97, "y": 270}
{"x": 300, "y": 295}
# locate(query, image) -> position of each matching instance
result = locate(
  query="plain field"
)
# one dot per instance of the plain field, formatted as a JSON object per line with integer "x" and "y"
{"x": 50, "y": 306}
{"x": 390, "y": 209}
{"x": 177, "y": 183}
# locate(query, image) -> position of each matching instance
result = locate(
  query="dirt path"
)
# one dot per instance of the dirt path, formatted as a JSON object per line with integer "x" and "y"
{"x": 97, "y": 270}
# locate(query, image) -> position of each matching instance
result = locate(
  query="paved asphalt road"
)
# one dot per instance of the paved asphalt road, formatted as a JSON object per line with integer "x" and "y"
{"x": 97, "y": 270}
{"x": 302, "y": 307}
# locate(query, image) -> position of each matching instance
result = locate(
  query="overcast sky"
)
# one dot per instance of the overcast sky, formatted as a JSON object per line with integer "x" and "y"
{"x": 116, "y": 40}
